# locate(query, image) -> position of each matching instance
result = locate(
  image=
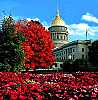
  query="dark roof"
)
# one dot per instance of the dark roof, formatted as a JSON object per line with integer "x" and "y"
{"x": 74, "y": 43}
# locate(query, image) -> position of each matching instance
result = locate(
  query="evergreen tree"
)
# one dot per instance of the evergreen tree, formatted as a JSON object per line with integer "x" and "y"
{"x": 10, "y": 53}
{"x": 93, "y": 53}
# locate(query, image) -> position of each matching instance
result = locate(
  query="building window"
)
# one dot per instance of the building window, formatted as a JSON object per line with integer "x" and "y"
{"x": 70, "y": 50}
{"x": 66, "y": 51}
{"x": 73, "y": 57}
{"x": 55, "y": 64}
{"x": 61, "y": 65}
{"x": 73, "y": 50}
{"x": 65, "y": 37}
{"x": 61, "y": 58}
{"x": 57, "y": 36}
{"x": 61, "y": 54}
{"x": 82, "y": 49}
{"x": 82, "y": 56}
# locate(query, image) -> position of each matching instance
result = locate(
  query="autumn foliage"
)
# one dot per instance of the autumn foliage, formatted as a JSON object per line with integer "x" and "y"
{"x": 37, "y": 46}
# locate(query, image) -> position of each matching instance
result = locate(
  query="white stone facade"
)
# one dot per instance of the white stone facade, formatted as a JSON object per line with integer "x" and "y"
{"x": 73, "y": 50}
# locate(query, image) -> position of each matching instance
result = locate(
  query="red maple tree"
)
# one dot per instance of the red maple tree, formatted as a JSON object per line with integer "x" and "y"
{"x": 38, "y": 45}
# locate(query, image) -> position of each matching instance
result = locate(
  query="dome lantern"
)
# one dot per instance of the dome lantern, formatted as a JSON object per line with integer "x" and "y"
{"x": 58, "y": 20}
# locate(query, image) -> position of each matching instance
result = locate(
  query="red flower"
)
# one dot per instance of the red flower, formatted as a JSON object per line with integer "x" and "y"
{"x": 9, "y": 84}
{"x": 1, "y": 97}
{"x": 21, "y": 97}
{"x": 13, "y": 97}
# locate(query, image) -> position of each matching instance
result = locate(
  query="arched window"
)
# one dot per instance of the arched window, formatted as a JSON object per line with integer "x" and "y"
{"x": 64, "y": 37}
{"x": 57, "y": 36}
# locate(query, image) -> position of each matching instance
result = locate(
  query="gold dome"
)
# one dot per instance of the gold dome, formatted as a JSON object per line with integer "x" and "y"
{"x": 58, "y": 20}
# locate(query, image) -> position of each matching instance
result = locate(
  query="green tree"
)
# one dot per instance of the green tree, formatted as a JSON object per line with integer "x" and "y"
{"x": 10, "y": 51}
{"x": 79, "y": 65}
{"x": 67, "y": 66}
{"x": 93, "y": 53}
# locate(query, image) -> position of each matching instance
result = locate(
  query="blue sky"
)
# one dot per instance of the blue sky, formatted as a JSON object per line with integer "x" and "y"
{"x": 77, "y": 14}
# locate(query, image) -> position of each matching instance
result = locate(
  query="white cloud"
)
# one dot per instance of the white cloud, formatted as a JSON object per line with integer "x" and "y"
{"x": 34, "y": 19}
{"x": 45, "y": 24}
{"x": 28, "y": 19}
{"x": 80, "y": 29}
{"x": 89, "y": 17}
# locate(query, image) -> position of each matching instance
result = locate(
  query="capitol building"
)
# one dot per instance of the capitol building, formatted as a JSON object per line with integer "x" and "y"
{"x": 58, "y": 30}
{"x": 64, "y": 49}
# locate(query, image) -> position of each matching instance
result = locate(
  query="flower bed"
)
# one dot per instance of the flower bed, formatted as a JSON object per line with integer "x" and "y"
{"x": 53, "y": 86}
